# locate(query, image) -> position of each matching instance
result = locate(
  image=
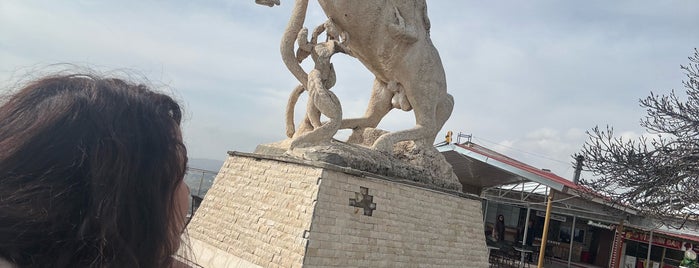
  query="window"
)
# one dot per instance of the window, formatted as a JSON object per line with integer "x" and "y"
{"x": 640, "y": 251}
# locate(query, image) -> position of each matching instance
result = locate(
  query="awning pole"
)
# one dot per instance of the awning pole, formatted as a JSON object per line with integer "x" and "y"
{"x": 524, "y": 237}
{"x": 650, "y": 244}
{"x": 544, "y": 236}
{"x": 572, "y": 236}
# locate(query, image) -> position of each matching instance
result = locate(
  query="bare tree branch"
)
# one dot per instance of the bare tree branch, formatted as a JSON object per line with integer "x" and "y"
{"x": 659, "y": 175}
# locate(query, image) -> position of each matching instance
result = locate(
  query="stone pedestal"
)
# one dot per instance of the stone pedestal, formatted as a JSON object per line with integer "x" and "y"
{"x": 265, "y": 211}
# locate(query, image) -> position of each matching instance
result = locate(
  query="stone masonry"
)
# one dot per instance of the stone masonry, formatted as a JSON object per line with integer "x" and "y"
{"x": 276, "y": 212}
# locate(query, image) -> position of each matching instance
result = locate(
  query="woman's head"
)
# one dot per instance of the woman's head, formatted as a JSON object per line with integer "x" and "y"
{"x": 90, "y": 169}
{"x": 501, "y": 218}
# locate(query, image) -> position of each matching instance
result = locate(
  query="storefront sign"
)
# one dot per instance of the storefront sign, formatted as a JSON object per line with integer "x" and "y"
{"x": 658, "y": 241}
{"x": 601, "y": 225}
{"x": 553, "y": 216}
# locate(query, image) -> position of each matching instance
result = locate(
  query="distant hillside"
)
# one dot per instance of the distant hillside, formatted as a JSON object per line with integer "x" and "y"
{"x": 206, "y": 164}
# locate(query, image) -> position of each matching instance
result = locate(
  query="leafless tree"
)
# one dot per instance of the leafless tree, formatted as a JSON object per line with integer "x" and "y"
{"x": 657, "y": 174}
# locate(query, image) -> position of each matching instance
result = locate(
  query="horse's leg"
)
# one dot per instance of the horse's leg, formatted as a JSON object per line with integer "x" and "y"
{"x": 444, "y": 109}
{"x": 379, "y": 106}
{"x": 427, "y": 124}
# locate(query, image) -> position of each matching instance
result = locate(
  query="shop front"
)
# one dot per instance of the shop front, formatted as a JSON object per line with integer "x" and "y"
{"x": 570, "y": 237}
{"x": 665, "y": 251}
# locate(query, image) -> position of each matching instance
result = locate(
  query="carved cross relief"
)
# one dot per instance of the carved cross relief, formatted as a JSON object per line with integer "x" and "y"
{"x": 363, "y": 200}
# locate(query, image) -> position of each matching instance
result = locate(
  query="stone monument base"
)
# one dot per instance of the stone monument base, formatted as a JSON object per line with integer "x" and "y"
{"x": 273, "y": 211}
{"x": 423, "y": 164}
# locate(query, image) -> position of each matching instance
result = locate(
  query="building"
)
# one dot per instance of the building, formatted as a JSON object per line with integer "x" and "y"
{"x": 584, "y": 227}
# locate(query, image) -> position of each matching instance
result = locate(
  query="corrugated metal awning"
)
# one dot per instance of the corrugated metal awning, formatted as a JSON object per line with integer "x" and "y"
{"x": 479, "y": 168}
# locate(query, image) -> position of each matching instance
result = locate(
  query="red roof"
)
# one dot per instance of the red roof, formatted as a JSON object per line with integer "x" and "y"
{"x": 555, "y": 178}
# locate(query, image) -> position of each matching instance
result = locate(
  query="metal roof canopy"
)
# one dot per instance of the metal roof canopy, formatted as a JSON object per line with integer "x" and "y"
{"x": 501, "y": 179}
{"x": 480, "y": 168}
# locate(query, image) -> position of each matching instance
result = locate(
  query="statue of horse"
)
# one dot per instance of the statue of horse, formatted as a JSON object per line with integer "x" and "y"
{"x": 392, "y": 39}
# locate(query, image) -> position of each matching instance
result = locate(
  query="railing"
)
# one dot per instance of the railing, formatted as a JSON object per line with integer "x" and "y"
{"x": 199, "y": 182}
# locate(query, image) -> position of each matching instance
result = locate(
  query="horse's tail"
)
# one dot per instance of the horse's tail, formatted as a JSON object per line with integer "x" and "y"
{"x": 290, "y": 106}
{"x": 298, "y": 16}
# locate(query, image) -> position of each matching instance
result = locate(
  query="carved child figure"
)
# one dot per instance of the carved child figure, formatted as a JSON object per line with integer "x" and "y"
{"x": 321, "y": 101}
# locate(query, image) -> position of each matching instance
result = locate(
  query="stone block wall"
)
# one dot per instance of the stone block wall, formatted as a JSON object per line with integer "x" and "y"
{"x": 258, "y": 210}
{"x": 410, "y": 226}
{"x": 264, "y": 212}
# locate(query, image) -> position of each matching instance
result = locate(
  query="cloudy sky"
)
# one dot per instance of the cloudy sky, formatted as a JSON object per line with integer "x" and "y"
{"x": 529, "y": 77}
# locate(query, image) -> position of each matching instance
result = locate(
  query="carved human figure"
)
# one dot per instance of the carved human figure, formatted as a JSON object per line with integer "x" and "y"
{"x": 320, "y": 99}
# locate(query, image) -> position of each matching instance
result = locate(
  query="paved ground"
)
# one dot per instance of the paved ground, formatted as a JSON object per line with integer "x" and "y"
{"x": 556, "y": 263}
{"x": 561, "y": 264}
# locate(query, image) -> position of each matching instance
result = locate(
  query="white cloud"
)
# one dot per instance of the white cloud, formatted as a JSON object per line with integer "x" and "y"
{"x": 531, "y": 76}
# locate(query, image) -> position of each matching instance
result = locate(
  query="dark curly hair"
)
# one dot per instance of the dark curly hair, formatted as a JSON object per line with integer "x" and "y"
{"x": 89, "y": 167}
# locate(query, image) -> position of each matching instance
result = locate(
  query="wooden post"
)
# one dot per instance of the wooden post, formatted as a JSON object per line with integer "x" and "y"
{"x": 544, "y": 236}
{"x": 525, "y": 237}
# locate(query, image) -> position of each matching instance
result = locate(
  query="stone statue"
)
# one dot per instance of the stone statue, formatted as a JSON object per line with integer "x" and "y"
{"x": 321, "y": 99}
{"x": 391, "y": 38}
